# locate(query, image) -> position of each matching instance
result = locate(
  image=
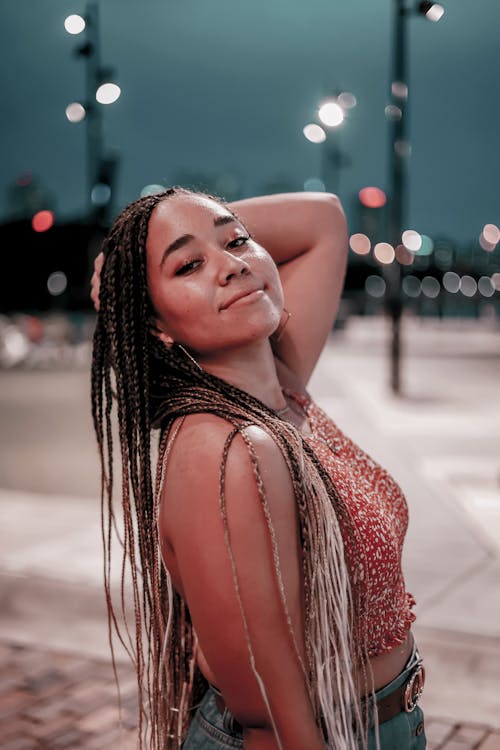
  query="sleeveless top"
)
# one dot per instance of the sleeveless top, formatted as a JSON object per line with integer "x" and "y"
{"x": 380, "y": 515}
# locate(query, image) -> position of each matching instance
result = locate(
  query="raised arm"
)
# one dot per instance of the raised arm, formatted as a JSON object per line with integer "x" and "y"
{"x": 306, "y": 235}
{"x": 192, "y": 522}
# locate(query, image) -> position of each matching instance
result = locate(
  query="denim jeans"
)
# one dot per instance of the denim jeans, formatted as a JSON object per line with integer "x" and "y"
{"x": 210, "y": 730}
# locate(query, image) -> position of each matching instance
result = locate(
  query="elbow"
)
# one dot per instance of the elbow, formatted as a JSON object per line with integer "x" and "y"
{"x": 332, "y": 220}
{"x": 330, "y": 212}
{"x": 335, "y": 207}
{"x": 328, "y": 202}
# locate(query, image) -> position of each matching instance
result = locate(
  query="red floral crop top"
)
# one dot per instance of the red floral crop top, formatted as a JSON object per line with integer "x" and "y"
{"x": 380, "y": 514}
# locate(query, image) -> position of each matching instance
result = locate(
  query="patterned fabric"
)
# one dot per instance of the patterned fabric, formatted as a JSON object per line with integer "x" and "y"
{"x": 380, "y": 515}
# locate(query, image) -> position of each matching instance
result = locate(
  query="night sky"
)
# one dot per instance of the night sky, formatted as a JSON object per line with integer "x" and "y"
{"x": 225, "y": 88}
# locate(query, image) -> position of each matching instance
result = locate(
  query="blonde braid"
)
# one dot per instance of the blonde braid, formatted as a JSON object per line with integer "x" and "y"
{"x": 155, "y": 386}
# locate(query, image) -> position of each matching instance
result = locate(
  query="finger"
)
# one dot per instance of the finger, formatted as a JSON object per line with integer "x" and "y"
{"x": 98, "y": 262}
{"x": 94, "y": 290}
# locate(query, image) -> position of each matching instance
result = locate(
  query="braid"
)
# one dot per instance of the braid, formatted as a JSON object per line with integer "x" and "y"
{"x": 153, "y": 386}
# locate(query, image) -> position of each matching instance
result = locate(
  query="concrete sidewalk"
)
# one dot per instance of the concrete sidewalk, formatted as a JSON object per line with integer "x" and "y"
{"x": 440, "y": 440}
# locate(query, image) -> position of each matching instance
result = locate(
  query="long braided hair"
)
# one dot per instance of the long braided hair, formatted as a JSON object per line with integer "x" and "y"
{"x": 149, "y": 386}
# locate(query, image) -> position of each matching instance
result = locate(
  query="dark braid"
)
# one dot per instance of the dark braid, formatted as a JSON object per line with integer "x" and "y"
{"x": 152, "y": 386}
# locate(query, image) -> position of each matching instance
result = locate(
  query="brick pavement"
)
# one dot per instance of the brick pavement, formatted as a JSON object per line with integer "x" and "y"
{"x": 53, "y": 700}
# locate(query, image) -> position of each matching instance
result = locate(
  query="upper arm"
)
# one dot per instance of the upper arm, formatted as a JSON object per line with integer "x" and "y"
{"x": 312, "y": 284}
{"x": 306, "y": 234}
{"x": 196, "y": 531}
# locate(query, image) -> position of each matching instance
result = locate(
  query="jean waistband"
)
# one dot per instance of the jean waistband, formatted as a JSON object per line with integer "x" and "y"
{"x": 414, "y": 661}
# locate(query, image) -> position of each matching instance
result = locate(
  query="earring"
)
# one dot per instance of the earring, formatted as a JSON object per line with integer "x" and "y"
{"x": 276, "y": 336}
{"x": 189, "y": 355}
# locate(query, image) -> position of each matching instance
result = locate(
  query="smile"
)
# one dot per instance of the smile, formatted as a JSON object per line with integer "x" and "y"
{"x": 245, "y": 298}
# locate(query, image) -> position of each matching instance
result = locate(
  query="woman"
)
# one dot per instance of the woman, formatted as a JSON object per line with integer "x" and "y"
{"x": 270, "y": 608}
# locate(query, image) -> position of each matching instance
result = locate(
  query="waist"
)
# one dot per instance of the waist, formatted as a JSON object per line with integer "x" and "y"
{"x": 385, "y": 667}
{"x": 399, "y": 695}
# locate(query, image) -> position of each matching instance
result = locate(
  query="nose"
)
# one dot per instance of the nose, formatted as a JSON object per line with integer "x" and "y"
{"x": 231, "y": 266}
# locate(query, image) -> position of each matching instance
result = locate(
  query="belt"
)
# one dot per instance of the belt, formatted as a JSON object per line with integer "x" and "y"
{"x": 403, "y": 698}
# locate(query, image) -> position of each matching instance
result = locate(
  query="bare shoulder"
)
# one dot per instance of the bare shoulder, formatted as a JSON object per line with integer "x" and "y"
{"x": 192, "y": 487}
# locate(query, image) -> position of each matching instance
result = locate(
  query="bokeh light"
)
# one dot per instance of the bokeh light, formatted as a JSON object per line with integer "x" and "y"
{"x": 360, "y": 243}
{"x": 430, "y": 287}
{"x": 57, "y": 283}
{"x": 314, "y": 185}
{"x": 468, "y": 286}
{"x": 495, "y": 280}
{"x": 108, "y": 93}
{"x": 491, "y": 233}
{"x": 487, "y": 246}
{"x": 42, "y": 221}
{"x": 392, "y": 112}
{"x": 100, "y": 194}
{"x": 404, "y": 256}
{"x": 427, "y": 245}
{"x": 74, "y": 24}
{"x": 412, "y": 240}
{"x": 75, "y": 112}
{"x": 347, "y": 100}
{"x": 399, "y": 89}
{"x": 451, "y": 282}
{"x": 314, "y": 133}
{"x": 485, "y": 286}
{"x": 433, "y": 11}
{"x": 331, "y": 113}
{"x": 489, "y": 237}
{"x": 152, "y": 189}
{"x": 411, "y": 286}
{"x": 384, "y": 252}
{"x": 372, "y": 197}
{"x": 15, "y": 346}
{"x": 375, "y": 286}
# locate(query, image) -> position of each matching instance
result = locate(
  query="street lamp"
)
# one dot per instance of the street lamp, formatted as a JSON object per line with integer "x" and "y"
{"x": 399, "y": 151}
{"x": 332, "y": 112}
{"x": 74, "y": 24}
{"x": 432, "y": 11}
{"x": 100, "y": 90}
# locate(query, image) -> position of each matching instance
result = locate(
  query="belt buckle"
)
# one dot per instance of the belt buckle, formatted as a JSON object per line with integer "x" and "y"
{"x": 413, "y": 690}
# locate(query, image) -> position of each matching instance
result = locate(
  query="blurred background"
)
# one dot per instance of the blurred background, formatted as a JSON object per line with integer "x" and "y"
{"x": 391, "y": 104}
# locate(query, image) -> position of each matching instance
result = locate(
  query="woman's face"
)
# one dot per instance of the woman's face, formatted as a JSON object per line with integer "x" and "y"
{"x": 212, "y": 287}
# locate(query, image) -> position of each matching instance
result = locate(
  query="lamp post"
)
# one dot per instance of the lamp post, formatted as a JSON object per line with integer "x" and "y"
{"x": 331, "y": 114}
{"x": 98, "y": 91}
{"x": 399, "y": 152}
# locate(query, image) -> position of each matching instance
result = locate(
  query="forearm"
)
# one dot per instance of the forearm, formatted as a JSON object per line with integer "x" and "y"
{"x": 289, "y": 224}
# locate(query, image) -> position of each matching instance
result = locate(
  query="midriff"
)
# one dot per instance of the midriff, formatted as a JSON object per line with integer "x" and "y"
{"x": 384, "y": 667}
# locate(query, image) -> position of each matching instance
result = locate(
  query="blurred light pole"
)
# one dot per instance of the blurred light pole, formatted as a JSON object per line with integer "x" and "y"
{"x": 331, "y": 113}
{"x": 399, "y": 152}
{"x": 99, "y": 91}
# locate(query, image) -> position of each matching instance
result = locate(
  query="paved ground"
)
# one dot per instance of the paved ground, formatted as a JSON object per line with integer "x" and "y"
{"x": 441, "y": 442}
{"x": 55, "y": 700}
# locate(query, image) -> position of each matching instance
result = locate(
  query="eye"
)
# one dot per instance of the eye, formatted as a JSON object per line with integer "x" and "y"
{"x": 191, "y": 265}
{"x": 238, "y": 242}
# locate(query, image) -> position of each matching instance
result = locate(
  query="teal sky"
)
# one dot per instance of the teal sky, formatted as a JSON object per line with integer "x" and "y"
{"x": 226, "y": 87}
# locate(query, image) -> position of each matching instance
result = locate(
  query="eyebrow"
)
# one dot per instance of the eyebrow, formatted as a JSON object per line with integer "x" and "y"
{"x": 219, "y": 221}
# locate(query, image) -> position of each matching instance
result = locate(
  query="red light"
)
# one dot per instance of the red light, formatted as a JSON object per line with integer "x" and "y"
{"x": 42, "y": 221}
{"x": 372, "y": 197}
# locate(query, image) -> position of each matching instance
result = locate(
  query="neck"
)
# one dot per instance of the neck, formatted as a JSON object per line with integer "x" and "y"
{"x": 252, "y": 369}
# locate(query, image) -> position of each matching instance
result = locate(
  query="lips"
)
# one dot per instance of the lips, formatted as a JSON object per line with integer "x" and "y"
{"x": 239, "y": 295}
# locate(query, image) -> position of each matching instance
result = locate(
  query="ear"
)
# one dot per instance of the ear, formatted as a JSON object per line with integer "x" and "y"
{"x": 157, "y": 330}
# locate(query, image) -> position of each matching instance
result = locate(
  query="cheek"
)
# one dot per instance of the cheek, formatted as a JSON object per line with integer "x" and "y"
{"x": 270, "y": 274}
{"x": 181, "y": 306}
